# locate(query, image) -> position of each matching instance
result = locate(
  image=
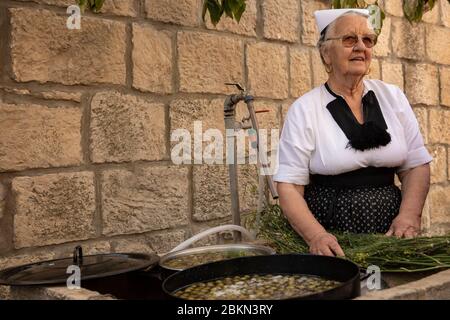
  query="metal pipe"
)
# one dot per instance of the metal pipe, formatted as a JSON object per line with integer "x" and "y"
{"x": 262, "y": 198}
{"x": 260, "y": 149}
{"x": 230, "y": 121}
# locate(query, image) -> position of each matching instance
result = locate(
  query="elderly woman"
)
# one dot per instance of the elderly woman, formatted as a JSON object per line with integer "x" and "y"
{"x": 343, "y": 142}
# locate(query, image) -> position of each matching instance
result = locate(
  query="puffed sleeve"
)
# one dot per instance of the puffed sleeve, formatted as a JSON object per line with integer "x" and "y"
{"x": 295, "y": 147}
{"x": 417, "y": 153}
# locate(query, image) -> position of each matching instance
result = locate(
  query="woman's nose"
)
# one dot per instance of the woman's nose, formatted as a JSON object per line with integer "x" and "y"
{"x": 359, "y": 45}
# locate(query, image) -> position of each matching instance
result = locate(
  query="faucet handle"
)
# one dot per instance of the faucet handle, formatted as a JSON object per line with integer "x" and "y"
{"x": 247, "y": 118}
{"x": 240, "y": 88}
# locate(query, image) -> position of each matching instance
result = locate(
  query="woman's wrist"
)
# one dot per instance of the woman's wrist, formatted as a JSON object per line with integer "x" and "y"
{"x": 412, "y": 213}
{"x": 314, "y": 233}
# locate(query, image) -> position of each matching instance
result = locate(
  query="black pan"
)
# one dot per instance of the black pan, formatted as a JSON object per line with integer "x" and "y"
{"x": 327, "y": 267}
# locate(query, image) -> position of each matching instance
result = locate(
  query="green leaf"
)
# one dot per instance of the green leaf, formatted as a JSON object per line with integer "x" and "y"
{"x": 205, "y": 9}
{"x": 336, "y": 4}
{"x": 82, "y": 4}
{"x": 98, "y": 4}
{"x": 383, "y": 15}
{"x": 227, "y": 6}
{"x": 241, "y": 9}
{"x": 215, "y": 10}
{"x": 235, "y": 4}
{"x": 339, "y": 4}
{"x": 429, "y": 5}
{"x": 350, "y": 3}
{"x": 234, "y": 8}
{"x": 91, "y": 4}
{"x": 413, "y": 10}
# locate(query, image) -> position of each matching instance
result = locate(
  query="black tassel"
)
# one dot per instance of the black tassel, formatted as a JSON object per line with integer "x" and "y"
{"x": 370, "y": 136}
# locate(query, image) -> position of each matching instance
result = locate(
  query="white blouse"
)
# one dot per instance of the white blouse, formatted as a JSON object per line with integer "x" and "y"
{"x": 313, "y": 143}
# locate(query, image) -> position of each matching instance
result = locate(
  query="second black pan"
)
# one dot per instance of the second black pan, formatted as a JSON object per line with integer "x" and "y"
{"x": 330, "y": 268}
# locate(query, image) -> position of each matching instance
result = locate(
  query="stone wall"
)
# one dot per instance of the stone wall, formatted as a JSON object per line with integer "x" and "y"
{"x": 86, "y": 115}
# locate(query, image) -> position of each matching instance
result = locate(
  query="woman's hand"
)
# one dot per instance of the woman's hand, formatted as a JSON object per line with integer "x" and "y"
{"x": 405, "y": 226}
{"x": 415, "y": 185}
{"x": 325, "y": 244}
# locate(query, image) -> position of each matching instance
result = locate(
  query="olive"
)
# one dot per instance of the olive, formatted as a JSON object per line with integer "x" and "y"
{"x": 247, "y": 287}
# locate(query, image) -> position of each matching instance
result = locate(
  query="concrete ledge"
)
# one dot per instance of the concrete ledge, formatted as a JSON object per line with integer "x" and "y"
{"x": 436, "y": 286}
{"x": 54, "y": 293}
{"x": 433, "y": 287}
{"x": 4, "y": 292}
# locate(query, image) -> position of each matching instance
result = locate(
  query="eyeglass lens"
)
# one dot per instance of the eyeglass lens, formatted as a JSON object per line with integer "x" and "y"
{"x": 350, "y": 40}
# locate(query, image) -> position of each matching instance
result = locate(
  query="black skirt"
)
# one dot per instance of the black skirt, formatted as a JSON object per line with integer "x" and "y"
{"x": 364, "y": 201}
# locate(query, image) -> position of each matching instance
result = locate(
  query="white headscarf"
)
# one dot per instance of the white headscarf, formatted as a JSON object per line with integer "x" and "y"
{"x": 325, "y": 17}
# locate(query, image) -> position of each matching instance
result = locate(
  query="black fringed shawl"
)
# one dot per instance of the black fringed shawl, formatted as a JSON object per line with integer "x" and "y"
{"x": 369, "y": 135}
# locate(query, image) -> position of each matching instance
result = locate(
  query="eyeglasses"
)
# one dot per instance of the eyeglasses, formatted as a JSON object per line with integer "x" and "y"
{"x": 349, "y": 40}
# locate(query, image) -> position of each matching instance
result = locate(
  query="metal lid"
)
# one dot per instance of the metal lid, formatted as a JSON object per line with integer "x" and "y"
{"x": 92, "y": 266}
{"x": 241, "y": 249}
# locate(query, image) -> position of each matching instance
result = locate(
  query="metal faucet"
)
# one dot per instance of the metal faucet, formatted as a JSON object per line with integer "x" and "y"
{"x": 230, "y": 123}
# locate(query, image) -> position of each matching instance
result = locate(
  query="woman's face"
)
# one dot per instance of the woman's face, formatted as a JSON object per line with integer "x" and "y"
{"x": 354, "y": 60}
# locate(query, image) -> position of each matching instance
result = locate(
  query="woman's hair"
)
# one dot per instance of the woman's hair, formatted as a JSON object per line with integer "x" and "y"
{"x": 325, "y": 32}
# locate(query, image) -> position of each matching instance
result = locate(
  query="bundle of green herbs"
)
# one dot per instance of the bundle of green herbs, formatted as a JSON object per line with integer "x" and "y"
{"x": 391, "y": 254}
